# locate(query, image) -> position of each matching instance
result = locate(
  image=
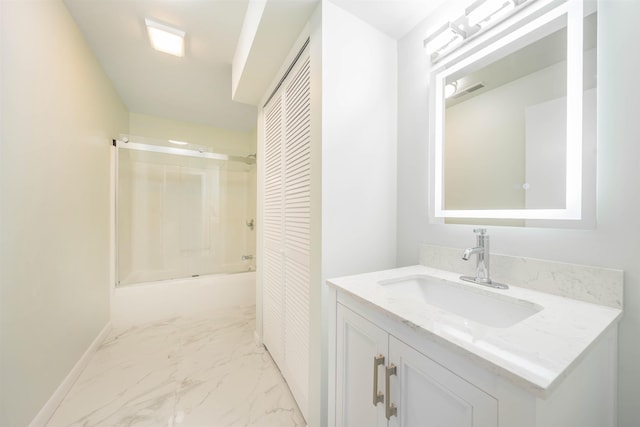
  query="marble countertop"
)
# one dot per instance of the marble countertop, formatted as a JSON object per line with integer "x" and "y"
{"x": 535, "y": 353}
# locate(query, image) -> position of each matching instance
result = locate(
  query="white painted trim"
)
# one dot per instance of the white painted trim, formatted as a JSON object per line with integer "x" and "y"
{"x": 56, "y": 398}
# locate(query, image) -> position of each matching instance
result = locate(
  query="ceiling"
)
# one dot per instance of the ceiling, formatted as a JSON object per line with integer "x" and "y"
{"x": 393, "y": 17}
{"x": 197, "y": 88}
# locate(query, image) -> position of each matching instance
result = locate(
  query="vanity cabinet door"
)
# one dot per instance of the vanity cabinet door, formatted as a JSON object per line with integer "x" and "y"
{"x": 359, "y": 346}
{"x": 421, "y": 393}
{"x": 427, "y": 394}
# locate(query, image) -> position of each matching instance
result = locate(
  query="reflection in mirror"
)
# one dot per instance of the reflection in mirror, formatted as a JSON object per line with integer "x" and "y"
{"x": 486, "y": 124}
{"x": 505, "y": 128}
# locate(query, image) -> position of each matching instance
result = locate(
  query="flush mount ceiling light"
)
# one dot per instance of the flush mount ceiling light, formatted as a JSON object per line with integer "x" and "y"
{"x": 165, "y": 39}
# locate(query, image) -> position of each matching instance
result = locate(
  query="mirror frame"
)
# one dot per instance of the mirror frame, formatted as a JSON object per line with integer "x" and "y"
{"x": 518, "y": 36}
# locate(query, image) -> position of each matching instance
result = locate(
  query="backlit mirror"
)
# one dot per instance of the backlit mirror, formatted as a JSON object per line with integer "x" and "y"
{"x": 514, "y": 125}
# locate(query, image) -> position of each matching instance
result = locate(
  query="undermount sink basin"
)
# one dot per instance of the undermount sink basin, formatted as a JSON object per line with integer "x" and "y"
{"x": 499, "y": 311}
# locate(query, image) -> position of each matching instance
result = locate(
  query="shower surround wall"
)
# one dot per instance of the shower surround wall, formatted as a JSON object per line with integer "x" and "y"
{"x": 232, "y": 142}
{"x": 181, "y": 216}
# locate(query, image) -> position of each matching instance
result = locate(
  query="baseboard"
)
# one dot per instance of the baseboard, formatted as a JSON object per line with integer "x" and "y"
{"x": 257, "y": 339}
{"x": 54, "y": 401}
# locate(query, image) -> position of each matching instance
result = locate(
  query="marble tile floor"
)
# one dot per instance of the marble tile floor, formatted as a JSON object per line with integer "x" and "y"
{"x": 191, "y": 372}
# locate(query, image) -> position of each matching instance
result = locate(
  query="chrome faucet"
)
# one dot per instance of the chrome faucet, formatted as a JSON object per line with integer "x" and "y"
{"x": 482, "y": 262}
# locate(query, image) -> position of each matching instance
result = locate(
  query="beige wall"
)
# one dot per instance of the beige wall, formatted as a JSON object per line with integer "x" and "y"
{"x": 59, "y": 114}
{"x": 225, "y": 140}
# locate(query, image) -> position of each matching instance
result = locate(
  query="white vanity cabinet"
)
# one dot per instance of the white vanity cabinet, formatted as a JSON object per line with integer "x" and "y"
{"x": 407, "y": 387}
{"x": 395, "y": 360}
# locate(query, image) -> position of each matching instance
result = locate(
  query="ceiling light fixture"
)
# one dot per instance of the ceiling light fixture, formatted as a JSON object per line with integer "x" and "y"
{"x": 173, "y": 141}
{"x": 165, "y": 39}
{"x": 478, "y": 17}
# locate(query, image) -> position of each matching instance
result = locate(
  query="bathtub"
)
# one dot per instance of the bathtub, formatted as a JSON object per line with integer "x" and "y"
{"x": 154, "y": 301}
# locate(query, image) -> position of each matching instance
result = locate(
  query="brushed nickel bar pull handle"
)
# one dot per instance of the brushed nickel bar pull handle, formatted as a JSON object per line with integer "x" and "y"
{"x": 378, "y": 396}
{"x": 390, "y": 408}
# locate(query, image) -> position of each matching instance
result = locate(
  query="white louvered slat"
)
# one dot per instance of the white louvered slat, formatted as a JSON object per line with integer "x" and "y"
{"x": 297, "y": 231}
{"x": 286, "y": 206}
{"x": 273, "y": 301}
{"x": 297, "y": 279}
{"x": 298, "y": 164}
{"x": 273, "y": 273}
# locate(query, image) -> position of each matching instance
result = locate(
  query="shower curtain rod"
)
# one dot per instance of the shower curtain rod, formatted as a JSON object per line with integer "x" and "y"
{"x": 250, "y": 160}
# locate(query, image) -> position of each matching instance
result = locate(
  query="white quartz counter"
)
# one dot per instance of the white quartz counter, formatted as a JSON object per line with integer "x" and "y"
{"x": 536, "y": 353}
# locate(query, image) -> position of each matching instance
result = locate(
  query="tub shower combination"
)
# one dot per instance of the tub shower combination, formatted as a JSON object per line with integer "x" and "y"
{"x": 183, "y": 212}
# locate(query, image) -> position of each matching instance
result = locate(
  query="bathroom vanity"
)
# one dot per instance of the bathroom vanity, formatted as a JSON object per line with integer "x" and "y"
{"x": 418, "y": 346}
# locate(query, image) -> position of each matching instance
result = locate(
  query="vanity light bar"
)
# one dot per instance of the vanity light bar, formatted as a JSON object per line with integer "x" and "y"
{"x": 444, "y": 39}
{"x": 478, "y": 17}
{"x": 483, "y": 11}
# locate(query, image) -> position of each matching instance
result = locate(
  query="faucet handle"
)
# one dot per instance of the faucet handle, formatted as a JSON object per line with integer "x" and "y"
{"x": 480, "y": 231}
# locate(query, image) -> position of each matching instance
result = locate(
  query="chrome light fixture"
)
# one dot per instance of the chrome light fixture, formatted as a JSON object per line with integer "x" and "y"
{"x": 478, "y": 17}
{"x": 444, "y": 40}
{"x": 165, "y": 39}
{"x": 481, "y": 12}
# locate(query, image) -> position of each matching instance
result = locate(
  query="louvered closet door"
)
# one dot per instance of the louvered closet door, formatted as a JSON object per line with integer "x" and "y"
{"x": 297, "y": 231}
{"x": 286, "y": 231}
{"x": 273, "y": 233}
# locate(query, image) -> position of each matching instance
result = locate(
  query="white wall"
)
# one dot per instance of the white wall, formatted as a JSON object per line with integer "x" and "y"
{"x": 359, "y": 133}
{"x": 358, "y": 162}
{"x": 59, "y": 114}
{"x": 614, "y": 243}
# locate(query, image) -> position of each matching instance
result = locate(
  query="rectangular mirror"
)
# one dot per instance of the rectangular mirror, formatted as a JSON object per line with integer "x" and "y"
{"x": 514, "y": 126}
